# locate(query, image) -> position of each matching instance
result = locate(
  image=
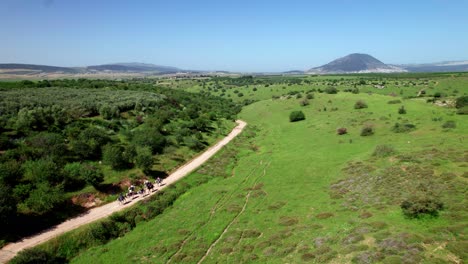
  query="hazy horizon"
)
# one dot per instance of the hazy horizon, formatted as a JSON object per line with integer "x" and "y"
{"x": 237, "y": 36}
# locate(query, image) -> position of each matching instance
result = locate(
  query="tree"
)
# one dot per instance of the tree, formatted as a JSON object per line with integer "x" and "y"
{"x": 24, "y": 120}
{"x": 72, "y": 176}
{"x": 92, "y": 174}
{"x": 144, "y": 159}
{"x": 296, "y": 116}
{"x": 10, "y": 172}
{"x": 44, "y": 198}
{"x": 42, "y": 170}
{"x": 7, "y": 205}
{"x": 89, "y": 142}
{"x": 113, "y": 155}
{"x": 108, "y": 112}
{"x": 149, "y": 137}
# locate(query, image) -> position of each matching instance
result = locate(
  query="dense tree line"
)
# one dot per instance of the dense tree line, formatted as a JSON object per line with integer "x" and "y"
{"x": 54, "y": 134}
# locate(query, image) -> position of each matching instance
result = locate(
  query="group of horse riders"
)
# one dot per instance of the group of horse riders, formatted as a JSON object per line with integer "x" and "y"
{"x": 146, "y": 188}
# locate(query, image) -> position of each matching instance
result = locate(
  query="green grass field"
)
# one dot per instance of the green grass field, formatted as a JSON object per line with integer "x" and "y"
{"x": 298, "y": 192}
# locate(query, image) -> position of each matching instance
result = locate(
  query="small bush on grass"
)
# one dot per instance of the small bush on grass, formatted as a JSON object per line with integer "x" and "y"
{"x": 304, "y": 102}
{"x": 461, "y": 102}
{"x": 449, "y": 124}
{"x": 403, "y": 128}
{"x": 397, "y": 101}
{"x": 420, "y": 204}
{"x": 310, "y": 96}
{"x": 402, "y": 110}
{"x": 463, "y": 111}
{"x": 331, "y": 90}
{"x": 296, "y": 116}
{"x": 360, "y": 105}
{"x": 383, "y": 151}
{"x": 367, "y": 131}
{"x": 341, "y": 131}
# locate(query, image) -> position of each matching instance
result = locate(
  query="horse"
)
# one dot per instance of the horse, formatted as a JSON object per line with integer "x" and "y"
{"x": 149, "y": 186}
{"x": 121, "y": 199}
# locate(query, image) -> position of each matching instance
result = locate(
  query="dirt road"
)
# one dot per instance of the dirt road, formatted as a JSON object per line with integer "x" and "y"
{"x": 10, "y": 250}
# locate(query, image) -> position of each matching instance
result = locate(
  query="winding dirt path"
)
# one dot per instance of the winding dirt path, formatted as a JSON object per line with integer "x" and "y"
{"x": 10, "y": 250}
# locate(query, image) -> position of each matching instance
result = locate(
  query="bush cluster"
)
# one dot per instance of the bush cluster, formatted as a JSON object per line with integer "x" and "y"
{"x": 402, "y": 110}
{"x": 367, "y": 131}
{"x": 403, "y": 128}
{"x": 396, "y": 101}
{"x": 420, "y": 204}
{"x": 449, "y": 124}
{"x": 360, "y": 105}
{"x": 295, "y": 116}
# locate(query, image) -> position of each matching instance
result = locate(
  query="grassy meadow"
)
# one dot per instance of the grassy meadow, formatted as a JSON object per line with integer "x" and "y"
{"x": 292, "y": 192}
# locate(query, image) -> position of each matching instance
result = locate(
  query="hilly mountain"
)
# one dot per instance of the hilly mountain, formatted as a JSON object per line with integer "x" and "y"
{"x": 32, "y": 69}
{"x": 355, "y": 63}
{"x": 133, "y": 67}
{"x": 446, "y": 66}
{"x": 14, "y": 67}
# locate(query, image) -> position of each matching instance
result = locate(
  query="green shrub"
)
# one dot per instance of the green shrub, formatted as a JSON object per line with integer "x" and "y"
{"x": 402, "y": 110}
{"x": 402, "y": 128}
{"x": 296, "y": 116}
{"x": 144, "y": 159}
{"x": 304, "y": 102}
{"x": 367, "y": 131}
{"x": 449, "y": 124}
{"x": 463, "y": 111}
{"x": 35, "y": 255}
{"x": 461, "y": 102}
{"x": 360, "y": 105}
{"x": 331, "y": 90}
{"x": 383, "y": 151}
{"x": 310, "y": 96}
{"x": 420, "y": 204}
{"x": 113, "y": 155}
{"x": 92, "y": 174}
{"x": 396, "y": 101}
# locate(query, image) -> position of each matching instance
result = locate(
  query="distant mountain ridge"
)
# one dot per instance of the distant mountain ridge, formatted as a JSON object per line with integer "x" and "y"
{"x": 134, "y": 67}
{"x": 352, "y": 63}
{"x": 446, "y": 66}
{"x": 355, "y": 63}
{"x": 34, "y": 67}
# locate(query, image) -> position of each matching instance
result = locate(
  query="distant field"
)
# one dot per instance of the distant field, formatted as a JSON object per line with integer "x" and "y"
{"x": 298, "y": 192}
{"x": 401, "y": 85}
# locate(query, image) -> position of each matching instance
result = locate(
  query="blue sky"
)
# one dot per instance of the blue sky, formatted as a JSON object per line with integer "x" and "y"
{"x": 236, "y": 35}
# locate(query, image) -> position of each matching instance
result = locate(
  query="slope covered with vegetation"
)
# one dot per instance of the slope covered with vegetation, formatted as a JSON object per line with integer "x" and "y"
{"x": 67, "y": 145}
{"x": 372, "y": 175}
